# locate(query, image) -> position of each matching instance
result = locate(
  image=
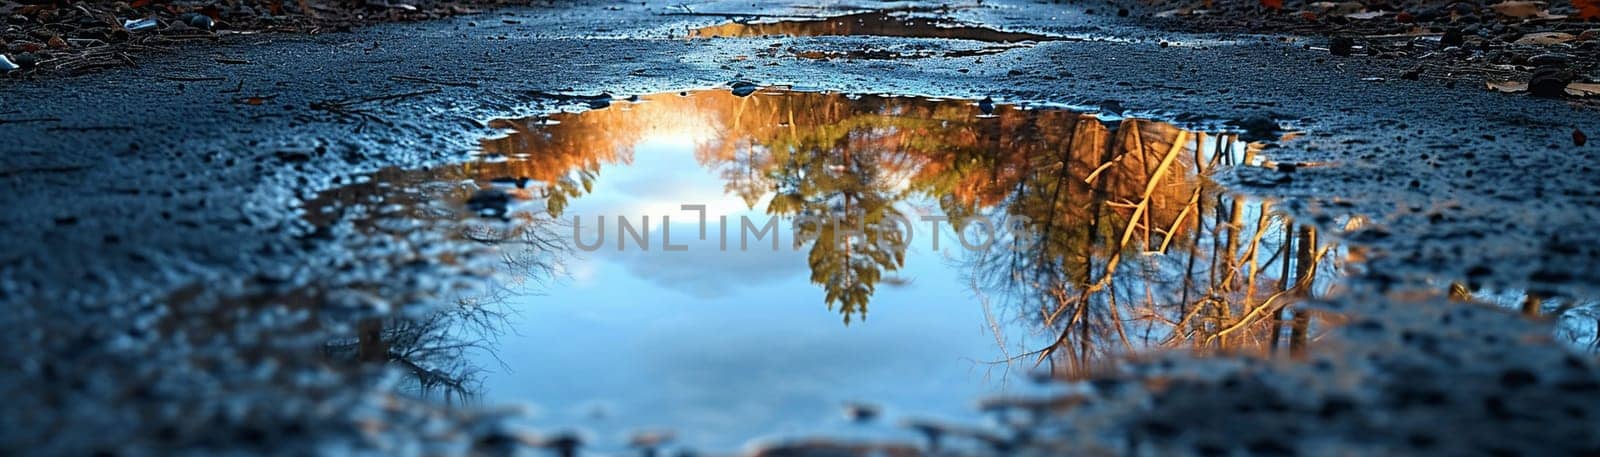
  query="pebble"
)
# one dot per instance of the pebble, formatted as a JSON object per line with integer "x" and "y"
{"x": 743, "y": 88}
{"x": 1549, "y": 82}
{"x": 1452, "y": 37}
{"x": 1341, "y": 45}
{"x": 6, "y": 64}
{"x": 201, "y": 21}
{"x": 26, "y": 59}
{"x": 489, "y": 202}
{"x": 1258, "y": 128}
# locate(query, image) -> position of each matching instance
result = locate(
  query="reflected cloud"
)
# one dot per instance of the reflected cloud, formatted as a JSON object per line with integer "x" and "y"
{"x": 704, "y": 269}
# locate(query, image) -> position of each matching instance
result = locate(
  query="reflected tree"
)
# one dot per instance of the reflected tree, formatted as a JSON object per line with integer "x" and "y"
{"x": 431, "y": 344}
{"x": 1130, "y": 244}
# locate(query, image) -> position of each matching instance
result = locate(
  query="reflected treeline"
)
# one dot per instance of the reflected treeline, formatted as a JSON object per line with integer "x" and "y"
{"x": 418, "y": 218}
{"x": 1129, "y": 244}
{"x": 869, "y": 23}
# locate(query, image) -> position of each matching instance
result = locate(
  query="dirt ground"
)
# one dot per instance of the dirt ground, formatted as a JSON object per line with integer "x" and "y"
{"x": 153, "y": 230}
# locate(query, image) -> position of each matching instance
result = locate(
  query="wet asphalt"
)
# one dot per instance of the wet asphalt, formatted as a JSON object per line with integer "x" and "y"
{"x": 127, "y": 188}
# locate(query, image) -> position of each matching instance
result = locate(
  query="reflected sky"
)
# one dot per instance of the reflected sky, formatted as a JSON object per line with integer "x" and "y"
{"x": 723, "y": 346}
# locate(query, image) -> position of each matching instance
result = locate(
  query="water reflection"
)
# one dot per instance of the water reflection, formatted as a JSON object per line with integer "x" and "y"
{"x": 421, "y": 218}
{"x": 876, "y": 23}
{"x": 902, "y": 24}
{"x": 1576, "y": 319}
{"x": 1122, "y": 244}
{"x": 1091, "y": 193}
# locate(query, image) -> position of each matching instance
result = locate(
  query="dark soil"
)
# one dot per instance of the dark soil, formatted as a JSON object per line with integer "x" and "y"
{"x": 75, "y": 37}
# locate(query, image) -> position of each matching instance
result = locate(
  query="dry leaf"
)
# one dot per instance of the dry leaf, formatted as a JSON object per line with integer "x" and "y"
{"x": 1509, "y": 87}
{"x": 1587, "y": 9}
{"x": 1337, "y": 9}
{"x": 1584, "y": 89}
{"x": 1520, "y": 9}
{"x": 1545, "y": 38}
{"x": 1272, "y": 4}
{"x": 1573, "y": 89}
{"x": 1578, "y": 138}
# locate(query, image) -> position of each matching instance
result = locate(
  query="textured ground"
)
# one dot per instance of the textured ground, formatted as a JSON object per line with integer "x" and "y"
{"x": 151, "y": 230}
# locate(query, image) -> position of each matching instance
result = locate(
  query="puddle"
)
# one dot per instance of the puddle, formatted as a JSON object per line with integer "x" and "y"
{"x": 883, "y": 24}
{"x": 898, "y": 24}
{"x": 922, "y": 253}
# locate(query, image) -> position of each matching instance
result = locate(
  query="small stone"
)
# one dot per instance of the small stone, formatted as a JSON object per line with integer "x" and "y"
{"x": 1452, "y": 37}
{"x": 1412, "y": 74}
{"x": 1549, "y": 82}
{"x": 1258, "y": 128}
{"x": 56, "y": 42}
{"x": 201, "y": 21}
{"x": 26, "y": 60}
{"x": 6, "y": 64}
{"x": 743, "y": 88}
{"x": 1341, "y": 45}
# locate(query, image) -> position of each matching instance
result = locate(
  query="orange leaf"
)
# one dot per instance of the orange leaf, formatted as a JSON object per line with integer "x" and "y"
{"x": 1587, "y": 9}
{"x": 1272, "y": 4}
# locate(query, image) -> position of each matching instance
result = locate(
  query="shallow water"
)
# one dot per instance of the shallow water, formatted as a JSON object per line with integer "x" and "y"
{"x": 730, "y": 337}
{"x": 932, "y": 36}
{"x": 873, "y": 23}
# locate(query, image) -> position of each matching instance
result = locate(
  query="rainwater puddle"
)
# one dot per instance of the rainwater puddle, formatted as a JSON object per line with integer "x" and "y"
{"x": 883, "y": 24}
{"x": 777, "y": 265}
{"x": 895, "y": 24}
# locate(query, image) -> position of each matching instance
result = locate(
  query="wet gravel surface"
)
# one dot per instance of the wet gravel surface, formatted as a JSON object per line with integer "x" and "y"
{"x": 151, "y": 230}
